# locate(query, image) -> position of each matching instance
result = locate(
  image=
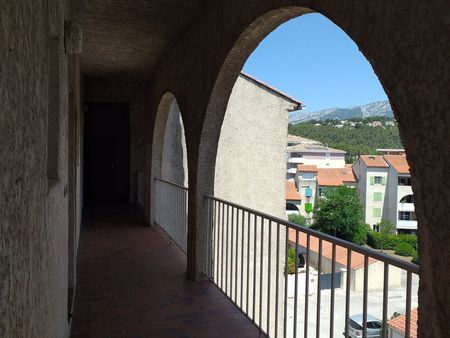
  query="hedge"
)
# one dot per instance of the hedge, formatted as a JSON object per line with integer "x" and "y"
{"x": 404, "y": 249}
{"x": 415, "y": 257}
{"x": 391, "y": 242}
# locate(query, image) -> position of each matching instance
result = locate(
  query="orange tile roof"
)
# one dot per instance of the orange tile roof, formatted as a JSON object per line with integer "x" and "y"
{"x": 329, "y": 177}
{"x": 398, "y": 162}
{"x": 347, "y": 174}
{"x": 291, "y": 192}
{"x": 307, "y": 168}
{"x": 398, "y": 323}
{"x": 374, "y": 161}
{"x": 334, "y": 177}
{"x": 327, "y": 250}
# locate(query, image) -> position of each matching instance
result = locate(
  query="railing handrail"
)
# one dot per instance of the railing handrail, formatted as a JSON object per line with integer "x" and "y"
{"x": 410, "y": 267}
{"x": 171, "y": 183}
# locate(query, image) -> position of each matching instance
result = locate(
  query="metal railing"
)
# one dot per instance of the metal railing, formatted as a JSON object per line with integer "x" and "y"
{"x": 171, "y": 210}
{"x": 248, "y": 260}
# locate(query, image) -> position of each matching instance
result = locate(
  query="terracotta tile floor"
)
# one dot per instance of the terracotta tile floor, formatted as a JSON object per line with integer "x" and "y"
{"x": 132, "y": 283}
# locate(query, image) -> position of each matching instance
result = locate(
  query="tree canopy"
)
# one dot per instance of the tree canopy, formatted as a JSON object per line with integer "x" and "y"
{"x": 361, "y": 139}
{"x": 339, "y": 213}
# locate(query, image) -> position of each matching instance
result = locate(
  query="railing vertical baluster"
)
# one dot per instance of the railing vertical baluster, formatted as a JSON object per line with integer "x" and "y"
{"x": 333, "y": 272}
{"x": 385, "y": 298}
{"x": 261, "y": 264}
{"x": 255, "y": 231}
{"x": 347, "y": 291}
{"x": 319, "y": 291}
{"x": 221, "y": 245}
{"x": 208, "y": 236}
{"x": 408, "y": 305}
{"x": 277, "y": 277}
{"x": 226, "y": 248}
{"x": 236, "y": 258}
{"x": 247, "y": 293}
{"x": 365, "y": 294}
{"x": 296, "y": 283}
{"x": 308, "y": 243}
{"x": 286, "y": 273}
{"x": 269, "y": 275}
{"x": 242, "y": 259}
{"x": 231, "y": 252}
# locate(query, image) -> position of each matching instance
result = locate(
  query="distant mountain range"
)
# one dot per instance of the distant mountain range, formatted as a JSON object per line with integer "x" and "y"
{"x": 379, "y": 108}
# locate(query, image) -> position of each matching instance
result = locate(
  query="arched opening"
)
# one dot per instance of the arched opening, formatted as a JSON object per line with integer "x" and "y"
{"x": 169, "y": 178}
{"x": 407, "y": 199}
{"x": 220, "y": 181}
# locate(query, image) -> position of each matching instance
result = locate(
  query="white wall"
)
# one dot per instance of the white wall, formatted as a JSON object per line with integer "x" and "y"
{"x": 174, "y": 154}
{"x": 251, "y": 163}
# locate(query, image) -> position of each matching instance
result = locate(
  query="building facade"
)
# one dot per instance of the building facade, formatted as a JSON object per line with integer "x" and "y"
{"x": 384, "y": 186}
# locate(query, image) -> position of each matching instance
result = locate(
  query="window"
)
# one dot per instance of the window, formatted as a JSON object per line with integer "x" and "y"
{"x": 406, "y": 216}
{"x": 407, "y": 199}
{"x": 377, "y": 179}
{"x": 308, "y": 176}
{"x": 404, "y": 181}
{"x": 373, "y": 325}
{"x": 291, "y": 207}
{"x": 376, "y": 212}
{"x": 377, "y": 196}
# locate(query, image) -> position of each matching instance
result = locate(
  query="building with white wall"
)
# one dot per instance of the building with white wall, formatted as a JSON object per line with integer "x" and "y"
{"x": 384, "y": 186}
{"x": 399, "y": 204}
{"x": 310, "y": 152}
{"x": 371, "y": 172}
{"x": 312, "y": 182}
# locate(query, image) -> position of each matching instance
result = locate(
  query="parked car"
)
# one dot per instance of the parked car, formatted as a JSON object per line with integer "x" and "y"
{"x": 355, "y": 326}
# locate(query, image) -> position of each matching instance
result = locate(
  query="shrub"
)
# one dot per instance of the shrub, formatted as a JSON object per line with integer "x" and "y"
{"x": 297, "y": 219}
{"x": 410, "y": 239}
{"x": 373, "y": 240}
{"x": 415, "y": 257}
{"x": 404, "y": 249}
{"x": 391, "y": 242}
{"x": 360, "y": 235}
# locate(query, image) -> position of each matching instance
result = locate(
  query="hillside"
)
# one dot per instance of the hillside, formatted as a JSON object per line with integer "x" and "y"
{"x": 379, "y": 108}
{"x": 355, "y": 138}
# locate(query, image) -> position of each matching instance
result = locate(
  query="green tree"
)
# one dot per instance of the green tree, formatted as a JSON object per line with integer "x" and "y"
{"x": 297, "y": 219}
{"x": 386, "y": 228}
{"x": 340, "y": 213}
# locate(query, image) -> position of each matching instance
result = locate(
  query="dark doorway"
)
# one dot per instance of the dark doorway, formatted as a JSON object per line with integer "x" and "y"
{"x": 107, "y": 153}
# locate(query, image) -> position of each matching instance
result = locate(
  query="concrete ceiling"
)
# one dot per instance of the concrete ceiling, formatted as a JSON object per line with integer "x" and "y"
{"x": 129, "y": 37}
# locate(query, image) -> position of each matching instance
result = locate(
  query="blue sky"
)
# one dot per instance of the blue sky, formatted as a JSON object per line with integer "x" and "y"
{"x": 313, "y": 60}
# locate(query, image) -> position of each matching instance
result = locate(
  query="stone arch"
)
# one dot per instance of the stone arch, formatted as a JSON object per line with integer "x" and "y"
{"x": 168, "y": 161}
{"x": 409, "y": 62}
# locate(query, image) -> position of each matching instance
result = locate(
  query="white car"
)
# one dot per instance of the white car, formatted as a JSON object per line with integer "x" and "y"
{"x": 355, "y": 327}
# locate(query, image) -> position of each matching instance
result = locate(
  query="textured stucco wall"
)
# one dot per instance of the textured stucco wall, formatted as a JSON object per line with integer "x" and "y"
{"x": 250, "y": 165}
{"x": 406, "y": 43}
{"x": 34, "y": 209}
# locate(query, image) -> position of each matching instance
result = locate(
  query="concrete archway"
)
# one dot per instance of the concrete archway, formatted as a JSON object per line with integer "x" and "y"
{"x": 392, "y": 70}
{"x": 169, "y": 153}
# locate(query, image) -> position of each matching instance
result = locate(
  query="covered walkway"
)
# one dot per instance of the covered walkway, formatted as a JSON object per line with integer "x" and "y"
{"x": 132, "y": 283}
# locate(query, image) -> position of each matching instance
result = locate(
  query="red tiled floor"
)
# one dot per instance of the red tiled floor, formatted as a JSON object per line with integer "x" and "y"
{"x": 132, "y": 283}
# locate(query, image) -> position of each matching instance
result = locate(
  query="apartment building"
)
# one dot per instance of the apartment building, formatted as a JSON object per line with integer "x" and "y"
{"x": 399, "y": 202}
{"x": 311, "y": 152}
{"x": 384, "y": 185}
{"x": 371, "y": 172}
{"x": 312, "y": 182}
